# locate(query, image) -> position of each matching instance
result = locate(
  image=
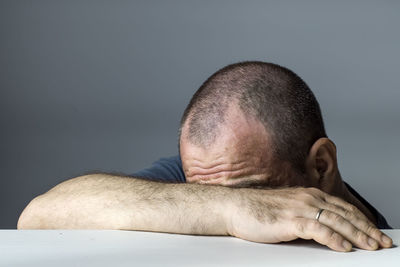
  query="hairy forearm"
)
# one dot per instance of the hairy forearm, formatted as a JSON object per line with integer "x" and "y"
{"x": 102, "y": 201}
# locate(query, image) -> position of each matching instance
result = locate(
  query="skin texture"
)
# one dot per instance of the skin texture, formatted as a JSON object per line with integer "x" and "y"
{"x": 241, "y": 158}
{"x": 103, "y": 201}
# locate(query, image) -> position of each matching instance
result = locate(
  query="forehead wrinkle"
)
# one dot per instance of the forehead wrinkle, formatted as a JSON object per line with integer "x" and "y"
{"x": 220, "y": 174}
{"x": 224, "y": 167}
{"x": 243, "y": 142}
{"x": 226, "y": 175}
{"x": 201, "y": 163}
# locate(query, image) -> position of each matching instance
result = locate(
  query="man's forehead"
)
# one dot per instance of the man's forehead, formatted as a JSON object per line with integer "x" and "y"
{"x": 242, "y": 154}
{"x": 239, "y": 137}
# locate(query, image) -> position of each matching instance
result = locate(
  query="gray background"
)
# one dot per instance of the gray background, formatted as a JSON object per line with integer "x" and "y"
{"x": 101, "y": 85}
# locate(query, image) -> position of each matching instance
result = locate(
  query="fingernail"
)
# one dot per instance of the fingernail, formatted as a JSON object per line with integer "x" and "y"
{"x": 346, "y": 245}
{"x": 372, "y": 243}
{"x": 386, "y": 240}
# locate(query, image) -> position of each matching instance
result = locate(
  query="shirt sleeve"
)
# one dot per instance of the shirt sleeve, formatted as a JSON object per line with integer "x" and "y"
{"x": 164, "y": 170}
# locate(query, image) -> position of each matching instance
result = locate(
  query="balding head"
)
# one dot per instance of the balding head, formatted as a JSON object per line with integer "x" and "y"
{"x": 251, "y": 107}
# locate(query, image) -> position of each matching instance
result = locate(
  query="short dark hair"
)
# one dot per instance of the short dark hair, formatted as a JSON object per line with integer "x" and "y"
{"x": 272, "y": 94}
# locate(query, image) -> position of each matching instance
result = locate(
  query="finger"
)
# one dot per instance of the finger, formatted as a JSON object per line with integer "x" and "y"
{"x": 345, "y": 206}
{"x": 362, "y": 224}
{"x": 312, "y": 229}
{"x": 348, "y": 230}
{"x": 358, "y": 219}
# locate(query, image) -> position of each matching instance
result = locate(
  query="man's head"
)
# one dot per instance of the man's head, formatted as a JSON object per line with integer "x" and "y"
{"x": 251, "y": 123}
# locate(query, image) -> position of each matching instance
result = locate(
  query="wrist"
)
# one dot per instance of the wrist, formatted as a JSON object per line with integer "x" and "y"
{"x": 231, "y": 203}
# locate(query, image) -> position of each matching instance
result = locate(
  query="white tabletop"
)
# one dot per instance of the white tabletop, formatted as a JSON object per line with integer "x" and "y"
{"x": 132, "y": 248}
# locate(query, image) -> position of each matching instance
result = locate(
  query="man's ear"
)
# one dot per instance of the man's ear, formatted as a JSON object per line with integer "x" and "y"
{"x": 321, "y": 164}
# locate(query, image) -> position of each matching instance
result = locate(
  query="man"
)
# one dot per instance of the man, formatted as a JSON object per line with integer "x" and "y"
{"x": 257, "y": 163}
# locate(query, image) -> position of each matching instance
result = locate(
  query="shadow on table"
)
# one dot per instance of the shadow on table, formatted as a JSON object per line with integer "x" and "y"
{"x": 315, "y": 245}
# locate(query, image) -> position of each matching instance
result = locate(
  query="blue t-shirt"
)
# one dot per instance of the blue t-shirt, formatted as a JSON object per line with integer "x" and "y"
{"x": 170, "y": 170}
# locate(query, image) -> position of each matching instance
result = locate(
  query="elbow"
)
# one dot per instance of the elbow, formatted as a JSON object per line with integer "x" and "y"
{"x": 38, "y": 213}
{"x": 50, "y": 211}
{"x": 23, "y": 221}
{"x": 30, "y": 217}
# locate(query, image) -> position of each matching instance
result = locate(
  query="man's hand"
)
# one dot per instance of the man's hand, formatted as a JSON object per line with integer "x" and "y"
{"x": 272, "y": 216}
